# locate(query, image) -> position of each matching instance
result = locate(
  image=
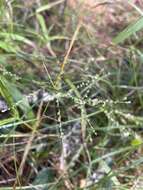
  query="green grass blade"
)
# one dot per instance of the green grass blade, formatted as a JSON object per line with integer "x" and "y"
{"x": 130, "y": 30}
{"x": 48, "y": 6}
{"x": 16, "y": 37}
{"x": 136, "y": 7}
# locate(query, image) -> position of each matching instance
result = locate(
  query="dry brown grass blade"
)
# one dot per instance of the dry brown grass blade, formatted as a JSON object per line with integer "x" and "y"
{"x": 67, "y": 54}
{"x": 29, "y": 144}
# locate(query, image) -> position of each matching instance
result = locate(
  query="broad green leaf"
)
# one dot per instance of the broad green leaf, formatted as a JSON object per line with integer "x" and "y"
{"x": 21, "y": 101}
{"x": 130, "y": 30}
{"x": 44, "y": 176}
{"x": 136, "y": 141}
{"x": 5, "y": 93}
